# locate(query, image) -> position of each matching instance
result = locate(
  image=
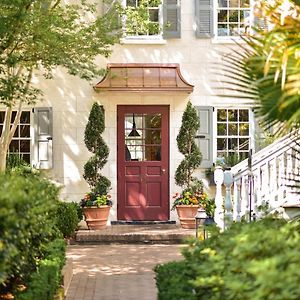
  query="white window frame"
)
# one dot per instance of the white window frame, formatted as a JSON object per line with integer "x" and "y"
{"x": 31, "y": 138}
{"x": 251, "y": 127}
{"x": 140, "y": 39}
{"x": 229, "y": 38}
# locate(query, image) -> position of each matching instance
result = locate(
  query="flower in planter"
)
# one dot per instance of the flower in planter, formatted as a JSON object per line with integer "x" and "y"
{"x": 95, "y": 200}
{"x": 198, "y": 198}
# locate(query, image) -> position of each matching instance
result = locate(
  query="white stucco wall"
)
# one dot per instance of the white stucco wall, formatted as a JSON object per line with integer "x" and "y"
{"x": 72, "y": 99}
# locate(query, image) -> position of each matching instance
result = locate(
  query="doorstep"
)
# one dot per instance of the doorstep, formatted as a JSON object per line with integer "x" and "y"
{"x": 133, "y": 233}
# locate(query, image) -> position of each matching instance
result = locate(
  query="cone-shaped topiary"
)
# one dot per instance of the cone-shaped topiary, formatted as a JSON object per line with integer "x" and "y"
{"x": 187, "y": 146}
{"x": 94, "y": 142}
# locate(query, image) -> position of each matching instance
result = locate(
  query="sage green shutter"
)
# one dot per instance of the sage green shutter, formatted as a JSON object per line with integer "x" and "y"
{"x": 171, "y": 19}
{"x": 43, "y": 132}
{"x": 204, "y": 18}
{"x": 204, "y": 138}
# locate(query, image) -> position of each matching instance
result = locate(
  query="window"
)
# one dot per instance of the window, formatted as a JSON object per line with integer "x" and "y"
{"x": 233, "y": 17}
{"x": 143, "y": 137}
{"x": 21, "y": 141}
{"x": 143, "y": 18}
{"x": 233, "y": 133}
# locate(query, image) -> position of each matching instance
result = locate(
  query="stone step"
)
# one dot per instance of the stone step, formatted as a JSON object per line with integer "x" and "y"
{"x": 151, "y": 233}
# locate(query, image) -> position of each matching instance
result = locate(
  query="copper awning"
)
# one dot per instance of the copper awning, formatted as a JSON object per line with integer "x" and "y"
{"x": 144, "y": 78}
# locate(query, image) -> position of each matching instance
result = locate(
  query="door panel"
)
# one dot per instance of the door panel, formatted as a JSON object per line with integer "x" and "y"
{"x": 143, "y": 162}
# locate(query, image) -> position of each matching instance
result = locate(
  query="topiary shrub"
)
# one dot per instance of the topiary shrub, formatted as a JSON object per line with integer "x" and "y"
{"x": 258, "y": 260}
{"x": 94, "y": 142}
{"x": 192, "y": 155}
{"x": 67, "y": 218}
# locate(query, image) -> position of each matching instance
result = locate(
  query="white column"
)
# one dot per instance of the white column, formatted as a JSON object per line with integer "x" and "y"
{"x": 228, "y": 180}
{"x": 219, "y": 211}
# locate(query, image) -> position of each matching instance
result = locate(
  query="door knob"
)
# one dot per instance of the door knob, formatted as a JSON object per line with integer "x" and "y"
{"x": 163, "y": 171}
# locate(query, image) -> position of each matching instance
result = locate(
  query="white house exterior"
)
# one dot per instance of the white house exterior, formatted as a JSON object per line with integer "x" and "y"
{"x": 200, "y": 34}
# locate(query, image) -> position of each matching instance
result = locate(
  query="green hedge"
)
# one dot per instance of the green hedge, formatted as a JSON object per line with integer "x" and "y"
{"x": 28, "y": 206}
{"x": 253, "y": 261}
{"x": 67, "y": 218}
{"x": 44, "y": 283}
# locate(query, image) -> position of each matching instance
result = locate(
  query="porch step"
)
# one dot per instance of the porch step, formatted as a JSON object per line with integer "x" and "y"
{"x": 151, "y": 233}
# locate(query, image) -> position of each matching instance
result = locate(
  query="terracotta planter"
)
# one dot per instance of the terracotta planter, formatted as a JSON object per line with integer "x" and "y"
{"x": 96, "y": 217}
{"x": 186, "y": 214}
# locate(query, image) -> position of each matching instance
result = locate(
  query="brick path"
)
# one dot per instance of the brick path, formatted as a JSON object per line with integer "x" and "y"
{"x": 117, "y": 272}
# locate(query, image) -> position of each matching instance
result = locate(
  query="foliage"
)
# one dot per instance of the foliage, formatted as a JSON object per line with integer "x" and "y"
{"x": 257, "y": 260}
{"x": 27, "y": 225}
{"x": 266, "y": 68}
{"x": 44, "y": 283}
{"x": 67, "y": 218}
{"x": 92, "y": 199}
{"x": 94, "y": 142}
{"x": 39, "y": 36}
{"x": 197, "y": 198}
{"x": 187, "y": 146}
{"x": 13, "y": 160}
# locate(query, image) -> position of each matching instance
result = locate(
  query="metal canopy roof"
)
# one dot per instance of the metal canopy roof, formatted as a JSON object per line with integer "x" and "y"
{"x": 143, "y": 78}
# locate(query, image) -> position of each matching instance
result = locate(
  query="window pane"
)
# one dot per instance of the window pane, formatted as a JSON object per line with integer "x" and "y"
{"x": 234, "y": 3}
{"x": 153, "y": 15}
{"x": 1, "y": 127}
{"x": 131, "y": 3}
{"x": 233, "y": 16}
{"x": 16, "y": 134}
{"x": 26, "y": 157}
{"x": 13, "y": 116}
{"x": 153, "y": 153}
{"x": 221, "y": 144}
{"x": 232, "y": 115}
{"x": 222, "y": 130}
{"x": 232, "y": 129}
{"x": 153, "y": 121}
{"x": 24, "y": 146}
{"x": 24, "y": 130}
{"x": 222, "y": 16}
{"x": 244, "y": 128}
{"x": 234, "y": 29}
{"x": 244, "y": 115}
{"x": 245, "y": 3}
{"x": 25, "y": 117}
{"x": 152, "y": 137}
{"x": 14, "y": 146}
{"x": 232, "y": 143}
{"x": 222, "y": 116}
{"x": 223, "y": 30}
{"x": 223, "y": 3}
{"x": 244, "y": 144}
{"x": 243, "y": 155}
{"x": 2, "y": 115}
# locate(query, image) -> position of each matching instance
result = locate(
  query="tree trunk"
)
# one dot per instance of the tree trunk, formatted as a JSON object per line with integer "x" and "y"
{"x": 3, "y": 154}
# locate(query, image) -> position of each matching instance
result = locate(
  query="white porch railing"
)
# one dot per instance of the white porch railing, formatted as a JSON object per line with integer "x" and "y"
{"x": 266, "y": 181}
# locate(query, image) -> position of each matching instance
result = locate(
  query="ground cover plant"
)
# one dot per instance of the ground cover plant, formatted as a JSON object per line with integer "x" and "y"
{"x": 258, "y": 260}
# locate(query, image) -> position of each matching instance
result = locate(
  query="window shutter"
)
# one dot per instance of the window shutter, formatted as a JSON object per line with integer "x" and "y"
{"x": 204, "y": 18}
{"x": 43, "y": 123}
{"x": 204, "y": 137}
{"x": 171, "y": 19}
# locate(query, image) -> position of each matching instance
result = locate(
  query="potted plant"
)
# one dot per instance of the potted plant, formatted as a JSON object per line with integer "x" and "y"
{"x": 187, "y": 203}
{"x": 96, "y": 209}
{"x": 97, "y": 203}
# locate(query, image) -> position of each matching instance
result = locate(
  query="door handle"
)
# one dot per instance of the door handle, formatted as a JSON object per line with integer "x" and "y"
{"x": 163, "y": 171}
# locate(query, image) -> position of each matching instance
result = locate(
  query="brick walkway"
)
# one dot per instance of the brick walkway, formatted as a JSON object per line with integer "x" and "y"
{"x": 117, "y": 272}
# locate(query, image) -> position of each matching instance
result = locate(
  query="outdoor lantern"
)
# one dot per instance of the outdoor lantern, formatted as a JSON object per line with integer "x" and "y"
{"x": 200, "y": 219}
{"x": 209, "y": 222}
{"x": 133, "y": 131}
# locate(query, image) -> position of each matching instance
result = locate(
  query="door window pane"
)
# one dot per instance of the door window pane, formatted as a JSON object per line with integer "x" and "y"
{"x": 143, "y": 137}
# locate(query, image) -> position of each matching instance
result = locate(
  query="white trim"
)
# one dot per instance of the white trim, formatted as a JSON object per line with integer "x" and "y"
{"x": 145, "y": 40}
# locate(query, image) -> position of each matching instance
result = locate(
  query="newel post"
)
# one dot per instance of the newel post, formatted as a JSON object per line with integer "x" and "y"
{"x": 219, "y": 211}
{"x": 228, "y": 216}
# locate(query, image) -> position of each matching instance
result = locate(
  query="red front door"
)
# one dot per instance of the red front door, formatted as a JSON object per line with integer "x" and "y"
{"x": 143, "y": 162}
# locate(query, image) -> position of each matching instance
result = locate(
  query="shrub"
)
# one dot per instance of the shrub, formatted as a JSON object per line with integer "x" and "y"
{"x": 27, "y": 224}
{"x": 187, "y": 146}
{"x": 44, "y": 283}
{"x": 67, "y": 218}
{"x": 94, "y": 142}
{"x": 258, "y": 260}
